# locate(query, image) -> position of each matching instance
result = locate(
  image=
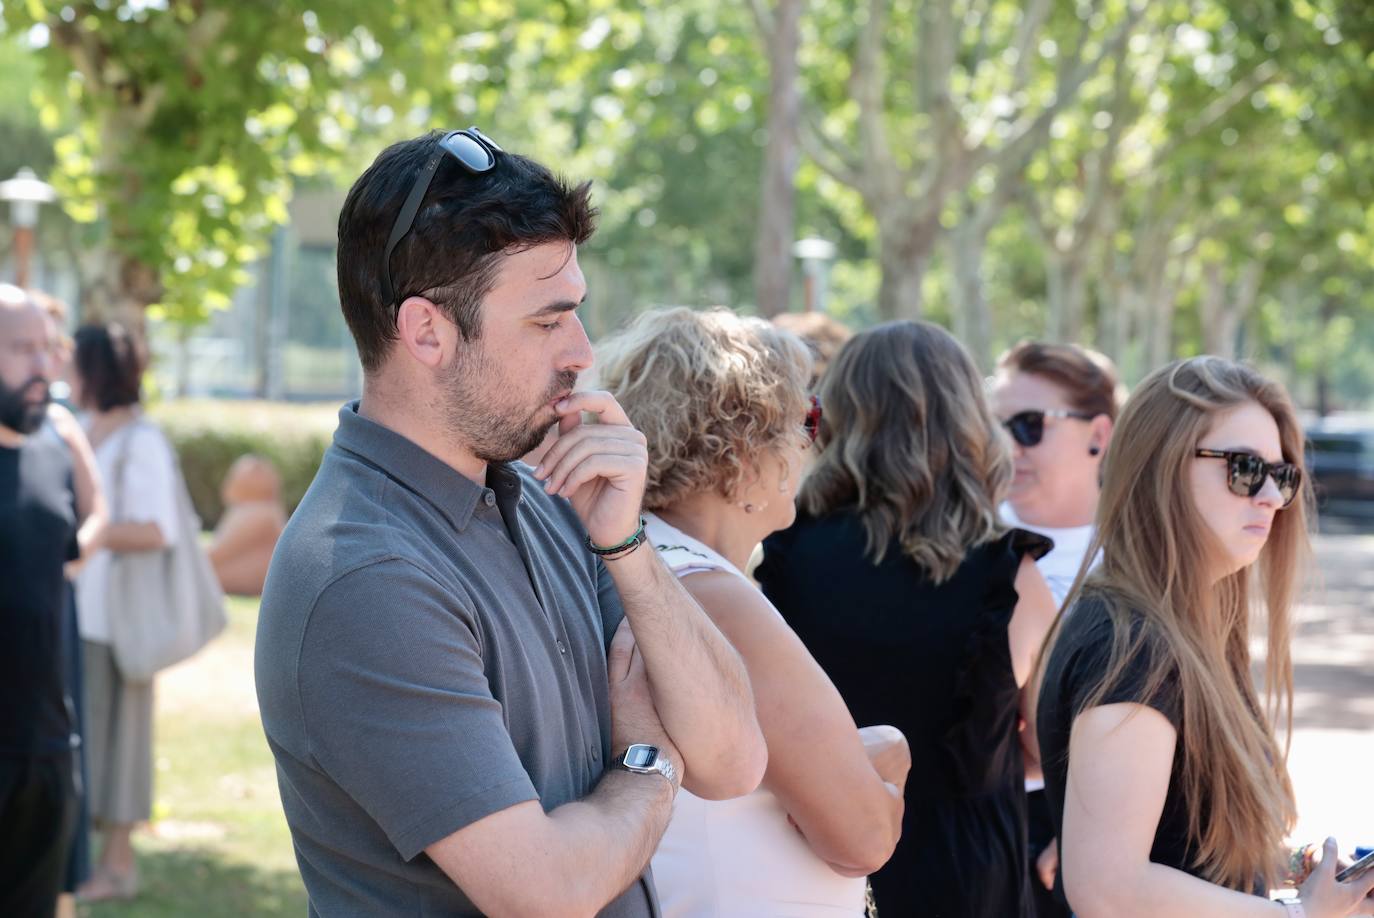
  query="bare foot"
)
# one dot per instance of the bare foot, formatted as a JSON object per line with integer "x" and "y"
{"x": 104, "y": 886}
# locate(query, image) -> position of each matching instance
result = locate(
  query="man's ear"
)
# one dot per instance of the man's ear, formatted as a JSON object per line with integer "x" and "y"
{"x": 425, "y": 331}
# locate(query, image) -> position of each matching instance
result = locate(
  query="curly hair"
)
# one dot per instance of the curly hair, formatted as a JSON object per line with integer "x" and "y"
{"x": 711, "y": 391}
{"x": 909, "y": 444}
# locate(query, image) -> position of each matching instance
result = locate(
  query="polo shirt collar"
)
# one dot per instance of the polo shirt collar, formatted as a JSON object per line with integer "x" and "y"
{"x": 453, "y": 494}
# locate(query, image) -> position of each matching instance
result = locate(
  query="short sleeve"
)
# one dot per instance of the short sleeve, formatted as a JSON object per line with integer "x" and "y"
{"x": 608, "y": 603}
{"x": 148, "y": 482}
{"x": 1092, "y": 662}
{"x": 397, "y": 708}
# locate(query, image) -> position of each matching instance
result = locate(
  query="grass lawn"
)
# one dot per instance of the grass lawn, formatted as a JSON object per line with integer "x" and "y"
{"x": 218, "y": 844}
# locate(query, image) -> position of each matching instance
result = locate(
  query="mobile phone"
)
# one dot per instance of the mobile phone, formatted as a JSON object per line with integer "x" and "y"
{"x": 1356, "y": 869}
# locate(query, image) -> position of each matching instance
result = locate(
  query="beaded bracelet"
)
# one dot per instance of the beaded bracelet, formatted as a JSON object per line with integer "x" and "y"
{"x": 1300, "y": 863}
{"x": 624, "y": 548}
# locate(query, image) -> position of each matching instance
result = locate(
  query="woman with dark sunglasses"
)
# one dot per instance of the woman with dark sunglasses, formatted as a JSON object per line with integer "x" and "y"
{"x": 1166, "y": 780}
{"x": 722, "y": 403}
{"x": 1058, "y": 403}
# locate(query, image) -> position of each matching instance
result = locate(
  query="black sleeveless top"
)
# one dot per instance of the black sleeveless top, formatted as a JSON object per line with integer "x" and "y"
{"x": 934, "y": 661}
{"x": 37, "y": 537}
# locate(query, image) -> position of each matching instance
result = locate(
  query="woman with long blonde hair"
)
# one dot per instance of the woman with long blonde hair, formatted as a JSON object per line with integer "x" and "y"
{"x": 1166, "y": 779}
{"x": 922, "y": 607}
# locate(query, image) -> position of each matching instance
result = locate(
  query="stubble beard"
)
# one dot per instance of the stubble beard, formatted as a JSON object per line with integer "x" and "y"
{"x": 481, "y": 414}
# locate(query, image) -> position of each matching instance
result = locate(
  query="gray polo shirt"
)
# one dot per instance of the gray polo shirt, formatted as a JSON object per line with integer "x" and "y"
{"x": 429, "y": 652}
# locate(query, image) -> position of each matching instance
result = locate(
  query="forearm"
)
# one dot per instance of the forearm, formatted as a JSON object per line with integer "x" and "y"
{"x": 134, "y": 537}
{"x": 1156, "y": 891}
{"x": 610, "y": 836}
{"x": 699, "y": 683}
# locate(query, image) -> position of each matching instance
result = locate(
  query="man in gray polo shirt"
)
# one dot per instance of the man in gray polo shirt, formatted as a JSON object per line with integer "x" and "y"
{"x": 443, "y": 671}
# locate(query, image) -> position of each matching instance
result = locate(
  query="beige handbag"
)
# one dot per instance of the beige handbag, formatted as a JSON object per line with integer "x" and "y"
{"x": 164, "y": 605}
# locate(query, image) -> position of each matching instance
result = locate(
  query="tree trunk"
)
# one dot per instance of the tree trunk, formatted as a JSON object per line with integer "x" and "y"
{"x": 773, "y": 243}
{"x": 121, "y": 289}
{"x": 972, "y": 318}
{"x": 904, "y": 252}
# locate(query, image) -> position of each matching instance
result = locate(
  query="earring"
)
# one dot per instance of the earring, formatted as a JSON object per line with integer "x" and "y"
{"x": 1094, "y": 450}
{"x": 751, "y": 508}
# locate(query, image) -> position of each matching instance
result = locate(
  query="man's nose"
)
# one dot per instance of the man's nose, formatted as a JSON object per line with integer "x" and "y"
{"x": 578, "y": 356}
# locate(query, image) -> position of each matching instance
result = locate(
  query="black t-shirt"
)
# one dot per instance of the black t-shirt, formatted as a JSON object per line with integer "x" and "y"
{"x": 37, "y": 537}
{"x": 1077, "y": 665}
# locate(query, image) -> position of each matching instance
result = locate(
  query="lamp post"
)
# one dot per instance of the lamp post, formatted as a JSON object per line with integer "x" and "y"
{"x": 24, "y": 193}
{"x": 815, "y": 255}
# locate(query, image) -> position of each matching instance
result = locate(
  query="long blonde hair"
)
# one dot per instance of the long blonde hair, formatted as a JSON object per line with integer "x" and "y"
{"x": 1153, "y": 544}
{"x": 909, "y": 442}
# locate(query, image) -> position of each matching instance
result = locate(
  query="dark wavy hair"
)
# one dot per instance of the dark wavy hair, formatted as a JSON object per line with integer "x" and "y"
{"x": 909, "y": 444}
{"x": 109, "y": 364}
{"x": 452, "y": 253}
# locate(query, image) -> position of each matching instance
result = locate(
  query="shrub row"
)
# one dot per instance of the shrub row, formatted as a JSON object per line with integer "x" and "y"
{"x": 209, "y": 435}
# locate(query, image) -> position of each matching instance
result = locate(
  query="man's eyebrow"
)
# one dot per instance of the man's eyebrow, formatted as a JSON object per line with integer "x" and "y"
{"x": 555, "y": 308}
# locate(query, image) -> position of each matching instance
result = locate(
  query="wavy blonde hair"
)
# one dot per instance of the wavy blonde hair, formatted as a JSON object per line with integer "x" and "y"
{"x": 710, "y": 390}
{"x": 1153, "y": 542}
{"x": 909, "y": 442}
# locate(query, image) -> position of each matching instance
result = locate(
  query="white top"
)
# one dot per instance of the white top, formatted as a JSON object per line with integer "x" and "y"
{"x": 738, "y": 858}
{"x": 1060, "y": 566}
{"x": 146, "y": 494}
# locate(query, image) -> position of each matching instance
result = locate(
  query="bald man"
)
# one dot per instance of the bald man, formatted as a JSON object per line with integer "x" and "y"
{"x": 38, "y": 535}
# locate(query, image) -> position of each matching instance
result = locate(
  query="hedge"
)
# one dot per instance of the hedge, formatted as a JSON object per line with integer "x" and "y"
{"x": 209, "y": 435}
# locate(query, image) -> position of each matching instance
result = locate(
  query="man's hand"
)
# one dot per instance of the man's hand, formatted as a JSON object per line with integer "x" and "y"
{"x": 634, "y": 719}
{"x": 888, "y": 751}
{"x": 600, "y": 467}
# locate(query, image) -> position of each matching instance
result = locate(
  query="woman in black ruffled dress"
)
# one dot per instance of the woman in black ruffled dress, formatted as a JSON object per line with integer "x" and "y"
{"x": 925, "y": 611}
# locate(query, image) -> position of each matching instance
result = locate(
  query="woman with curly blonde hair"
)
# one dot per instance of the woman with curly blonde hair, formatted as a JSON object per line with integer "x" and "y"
{"x": 722, "y": 402}
{"x": 922, "y": 607}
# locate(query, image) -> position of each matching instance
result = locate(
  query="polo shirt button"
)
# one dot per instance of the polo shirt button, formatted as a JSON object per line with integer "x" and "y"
{"x": 490, "y": 498}
{"x": 596, "y": 754}
{"x": 562, "y": 648}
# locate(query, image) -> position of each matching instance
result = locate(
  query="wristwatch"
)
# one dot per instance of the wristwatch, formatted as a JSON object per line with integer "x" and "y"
{"x": 1293, "y": 907}
{"x": 643, "y": 759}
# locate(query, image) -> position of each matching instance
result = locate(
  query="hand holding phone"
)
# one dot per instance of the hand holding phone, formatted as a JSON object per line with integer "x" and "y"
{"x": 1357, "y": 869}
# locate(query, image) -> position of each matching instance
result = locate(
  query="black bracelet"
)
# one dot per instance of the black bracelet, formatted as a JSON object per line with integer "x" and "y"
{"x": 625, "y": 547}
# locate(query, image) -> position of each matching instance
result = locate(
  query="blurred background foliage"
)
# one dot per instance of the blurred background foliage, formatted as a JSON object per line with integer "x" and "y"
{"x": 1152, "y": 179}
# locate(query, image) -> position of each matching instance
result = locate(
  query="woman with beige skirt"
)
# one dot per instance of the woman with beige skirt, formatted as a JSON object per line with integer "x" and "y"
{"x": 138, "y": 468}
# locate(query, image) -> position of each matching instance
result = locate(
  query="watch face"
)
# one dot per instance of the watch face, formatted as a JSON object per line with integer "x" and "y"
{"x": 641, "y": 756}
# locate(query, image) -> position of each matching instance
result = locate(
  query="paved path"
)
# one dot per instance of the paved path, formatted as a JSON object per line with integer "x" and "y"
{"x": 1332, "y": 758}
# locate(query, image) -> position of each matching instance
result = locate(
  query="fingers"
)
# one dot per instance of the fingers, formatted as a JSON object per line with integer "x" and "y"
{"x": 1329, "y": 858}
{"x": 597, "y": 402}
{"x": 610, "y": 468}
{"x": 621, "y": 654}
{"x": 584, "y": 444}
{"x": 1047, "y": 863}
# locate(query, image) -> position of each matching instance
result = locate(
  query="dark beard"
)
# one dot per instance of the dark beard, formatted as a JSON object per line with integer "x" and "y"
{"x": 21, "y": 415}
{"x": 495, "y": 430}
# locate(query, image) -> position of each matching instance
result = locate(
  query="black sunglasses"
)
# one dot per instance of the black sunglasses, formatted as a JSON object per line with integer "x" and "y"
{"x": 1028, "y": 427}
{"x": 812, "y": 423}
{"x": 477, "y": 154}
{"x": 1246, "y": 472}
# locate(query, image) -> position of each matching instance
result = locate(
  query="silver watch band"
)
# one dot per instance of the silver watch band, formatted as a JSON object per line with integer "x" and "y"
{"x": 661, "y": 765}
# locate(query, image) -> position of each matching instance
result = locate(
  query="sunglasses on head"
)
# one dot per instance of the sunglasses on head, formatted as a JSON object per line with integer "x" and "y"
{"x": 1246, "y": 472}
{"x": 812, "y": 423}
{"x": 1028, "y": 427}
{"x": 474, "y": 151}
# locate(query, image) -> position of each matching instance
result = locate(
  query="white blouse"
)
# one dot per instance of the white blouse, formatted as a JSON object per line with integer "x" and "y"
{"x": 144, "y": 493}
{"x": 738, "y": 858}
